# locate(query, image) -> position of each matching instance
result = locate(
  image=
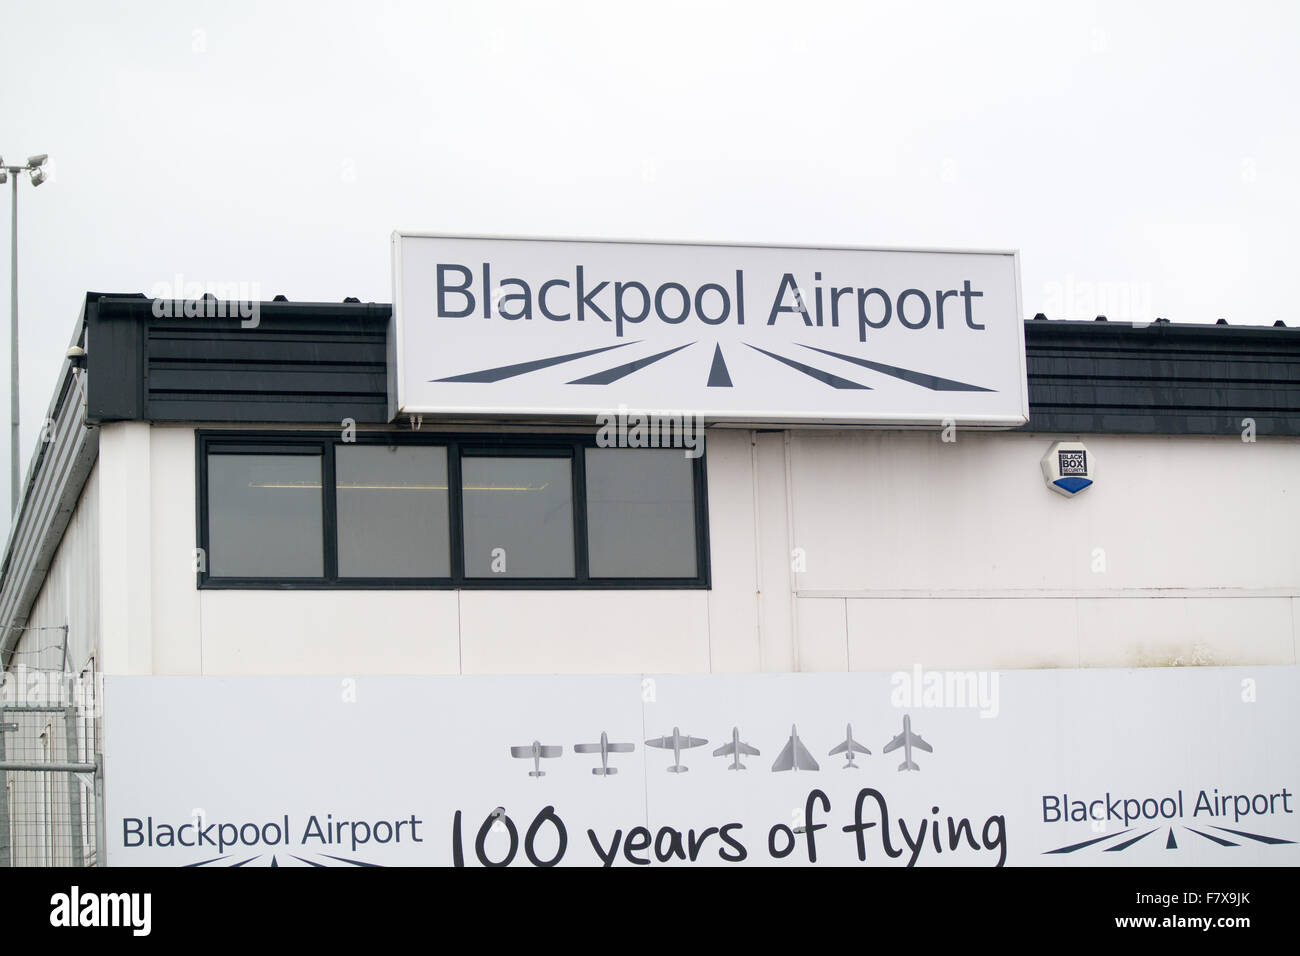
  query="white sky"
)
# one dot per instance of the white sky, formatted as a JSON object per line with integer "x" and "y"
{"x": 1145, "y": 158}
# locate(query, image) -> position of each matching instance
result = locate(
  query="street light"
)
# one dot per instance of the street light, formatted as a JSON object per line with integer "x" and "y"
{"x": 33, "y": 166}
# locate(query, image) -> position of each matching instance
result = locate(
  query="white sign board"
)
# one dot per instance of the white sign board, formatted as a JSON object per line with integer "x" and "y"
{"x": 764, "y": 334}
{"x": 1187, "y": 766}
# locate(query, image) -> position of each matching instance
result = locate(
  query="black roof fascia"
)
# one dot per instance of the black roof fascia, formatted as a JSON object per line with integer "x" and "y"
{"x": 314, "y": 362}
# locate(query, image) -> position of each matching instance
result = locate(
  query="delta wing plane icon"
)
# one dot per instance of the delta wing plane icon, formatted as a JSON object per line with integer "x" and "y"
{"x": 735, "y": 749}
{"x": 795, "y": 755}
{"x": 676, "y": 742}
{"x": 536, "y": 751}
{"x": 849, "y": 747}
{"x": 604, "y": 748}
{"x": 907, "y": 740}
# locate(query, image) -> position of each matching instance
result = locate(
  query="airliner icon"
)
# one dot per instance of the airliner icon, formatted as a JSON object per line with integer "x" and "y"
{"x": 536, "y": 751}
{"x": 735, "y": 749}
{"x": 794, "y": 756}
{"x": 604, "y": 748}
{"x": 676, "y": 742}
{"x": 849, "y": 747}
{"x": 907, "y": 740}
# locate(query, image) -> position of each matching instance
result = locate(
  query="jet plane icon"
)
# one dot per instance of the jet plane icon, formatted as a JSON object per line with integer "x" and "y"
{"x": 735, "y": 749}
{"x": 907, "y": 740}
{"x": 676, "y": 742}
{"x": 604, "y": 748}
{"x": 849, "y": 747}
{"x": 536, "y": 751}
{"x": 794, "y": 756}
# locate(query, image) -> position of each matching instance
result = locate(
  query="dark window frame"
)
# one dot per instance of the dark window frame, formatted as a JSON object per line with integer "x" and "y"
{"x": 478, "y": 444}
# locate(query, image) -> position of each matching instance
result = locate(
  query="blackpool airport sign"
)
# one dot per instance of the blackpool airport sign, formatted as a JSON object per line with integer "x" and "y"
{"x": 570, "y": 329}
{"x": 1192, "y": 766}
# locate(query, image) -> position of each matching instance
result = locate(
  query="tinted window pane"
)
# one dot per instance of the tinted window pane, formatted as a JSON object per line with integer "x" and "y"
{"x": 518, "y": 517}
{"x": 640, "y": 513}
{"x": 264, "y": 516}
{"x": 392, "y": 511}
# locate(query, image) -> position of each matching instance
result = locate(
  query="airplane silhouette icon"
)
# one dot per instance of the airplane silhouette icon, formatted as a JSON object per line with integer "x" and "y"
{"x": 677, "y": 743}
{"x": 604, "y": 748}
{"x": 735, "y": 749}
{"x": 536, "y": 751}
{"x": 907, "y": 740}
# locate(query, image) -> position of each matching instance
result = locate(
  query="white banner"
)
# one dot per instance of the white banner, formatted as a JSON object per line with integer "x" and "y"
{"x": 574, "y": 329}
{"x": 1193, "y": 766}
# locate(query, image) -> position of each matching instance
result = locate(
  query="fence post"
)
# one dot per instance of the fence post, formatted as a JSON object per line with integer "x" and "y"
{"x": 101, "y": 833}
{"x": 6, "y": 850}
{"x": 74, "y": 786}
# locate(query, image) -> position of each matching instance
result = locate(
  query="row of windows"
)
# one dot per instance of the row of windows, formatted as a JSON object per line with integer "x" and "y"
{"x": 397, "y": 511}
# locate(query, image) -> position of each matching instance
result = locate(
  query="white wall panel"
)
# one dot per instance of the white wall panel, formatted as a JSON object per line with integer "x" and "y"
{"x": 584, "y": 632}
{"x": 1159, "y": 632}
{"x": 888, "y": 510}
{"x": 125, "y": 559}
{"x": 823, "y": 634}
{"x": 733, "y": 601}
{"x": 329, "y": 632}
{"x": 70, "y": 595}
{"x": 984, "y": 634}
{"x": 174, "y": 600}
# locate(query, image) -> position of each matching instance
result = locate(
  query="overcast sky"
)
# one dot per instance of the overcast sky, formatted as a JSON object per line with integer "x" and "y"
{"x": 1144, "y": 158}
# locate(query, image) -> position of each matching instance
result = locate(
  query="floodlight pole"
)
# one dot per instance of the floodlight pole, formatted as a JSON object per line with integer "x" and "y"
{"x": 13, "y": 350}
{"x": 33, "y": 166}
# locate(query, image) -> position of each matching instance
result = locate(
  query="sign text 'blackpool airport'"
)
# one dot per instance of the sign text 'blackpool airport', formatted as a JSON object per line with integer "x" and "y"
{"x": 568, "y": 328}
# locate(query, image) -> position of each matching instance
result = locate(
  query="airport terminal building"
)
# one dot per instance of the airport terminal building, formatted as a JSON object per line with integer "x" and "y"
{"x": 219, "y": 495}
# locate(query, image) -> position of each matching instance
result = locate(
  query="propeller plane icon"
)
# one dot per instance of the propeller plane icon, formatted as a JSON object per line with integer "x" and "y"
{"x": 536, "y": 751}
{"x": 676, "y": 742}
{"x": 604, "y": 748}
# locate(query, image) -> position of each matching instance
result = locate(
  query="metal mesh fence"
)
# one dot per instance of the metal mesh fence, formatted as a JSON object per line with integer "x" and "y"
{"x": 49, "y": 749}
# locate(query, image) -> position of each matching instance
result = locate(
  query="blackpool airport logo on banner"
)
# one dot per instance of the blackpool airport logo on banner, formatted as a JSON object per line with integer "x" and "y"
{"x": 321, "y": 841}
{"x": 1166, "y": 818}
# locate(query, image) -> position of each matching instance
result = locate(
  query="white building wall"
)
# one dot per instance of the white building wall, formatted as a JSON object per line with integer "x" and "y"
{"x": 70, "y": 595}
{"x": 957, "y": 555}
{"x": 915, "y": 551}
{"x": 125, "y": 556}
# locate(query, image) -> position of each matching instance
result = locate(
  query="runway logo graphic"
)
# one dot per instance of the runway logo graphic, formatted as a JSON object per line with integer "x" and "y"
{"x": 1207, "y": 806}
